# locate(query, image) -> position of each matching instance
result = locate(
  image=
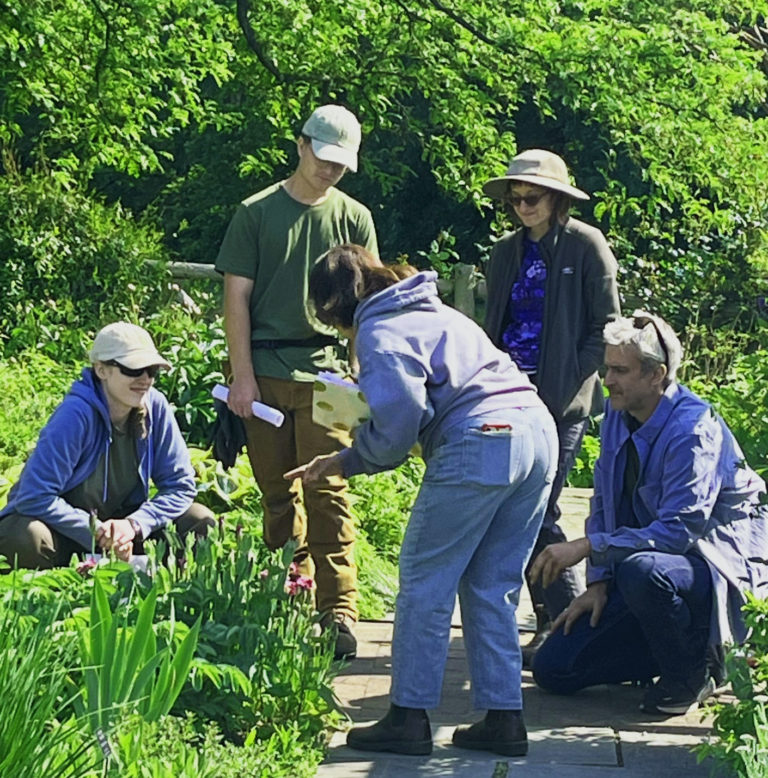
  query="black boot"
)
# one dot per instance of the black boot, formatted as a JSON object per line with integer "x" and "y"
{"x": 401, "y": 731}
{"x": 345, "y": 645}
{"x": 501, "y": 732}
{"x": 543, "y": 626}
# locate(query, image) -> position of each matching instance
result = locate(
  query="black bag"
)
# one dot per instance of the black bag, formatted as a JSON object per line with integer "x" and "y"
{"x": 227, "y": 436}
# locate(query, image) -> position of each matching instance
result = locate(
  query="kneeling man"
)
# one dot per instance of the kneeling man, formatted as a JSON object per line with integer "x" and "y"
{"x": 676, "y": 535}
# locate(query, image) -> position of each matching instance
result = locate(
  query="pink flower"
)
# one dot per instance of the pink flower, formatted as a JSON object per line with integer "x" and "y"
{"x": 85, "y": 567}
{"x": 264, "y": 574}
{"x": 296, "y": 582}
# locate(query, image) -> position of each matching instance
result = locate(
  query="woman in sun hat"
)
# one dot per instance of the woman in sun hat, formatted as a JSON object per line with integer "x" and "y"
{"x": 551, "y": 290}
{"x": 112, "y": 434}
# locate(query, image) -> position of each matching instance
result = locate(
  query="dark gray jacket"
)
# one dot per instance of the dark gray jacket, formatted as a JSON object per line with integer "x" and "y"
{"x": 581, "y": 296}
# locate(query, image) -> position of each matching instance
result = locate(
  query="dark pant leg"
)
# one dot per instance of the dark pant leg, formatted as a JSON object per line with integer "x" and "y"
{"x": 670, "y": 595}
{"x": 198, "y": 519}
{"x": 27, "y": 542}
{"x": 614, "y": 651}
{"x": 558, "y": 595}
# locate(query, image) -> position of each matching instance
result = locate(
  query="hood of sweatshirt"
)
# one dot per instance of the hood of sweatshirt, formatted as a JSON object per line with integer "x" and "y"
{"x": 90, "y": 390}
{"x": 418, "y": 292}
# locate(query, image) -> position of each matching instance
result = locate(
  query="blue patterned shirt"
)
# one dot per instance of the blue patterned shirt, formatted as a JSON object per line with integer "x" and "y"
{"x": 522, "y": 337}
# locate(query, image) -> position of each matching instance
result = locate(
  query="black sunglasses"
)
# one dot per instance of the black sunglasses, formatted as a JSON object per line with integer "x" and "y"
{"x": 134, "y": 372}
{"x": 531, "y": 200}
{"x": 639, "y": 322}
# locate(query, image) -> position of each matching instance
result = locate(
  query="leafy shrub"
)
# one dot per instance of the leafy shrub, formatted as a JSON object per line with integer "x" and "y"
{"x": 275, "y": 710}
{"x": 31, "y": 386}
{"x": 70, "y": 265}
{"x": 381, "y": 505}
{"x": 196, "y": 348}
{"x": 740, "y": 730}
{"x": 740, "y": 395}
{"x": 260, "y": 664}
{"x": 584, "y": 465}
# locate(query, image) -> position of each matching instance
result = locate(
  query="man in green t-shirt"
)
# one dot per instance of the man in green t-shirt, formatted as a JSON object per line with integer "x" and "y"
{"x": 276, "y": 348}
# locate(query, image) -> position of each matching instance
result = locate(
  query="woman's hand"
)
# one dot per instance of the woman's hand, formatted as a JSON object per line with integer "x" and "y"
{"x": 320, "y": 467}
{"x": 117, "y": 535}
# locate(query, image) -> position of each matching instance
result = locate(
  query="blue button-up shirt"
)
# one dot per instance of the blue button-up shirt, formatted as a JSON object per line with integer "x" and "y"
{"x": 695, "y": 493}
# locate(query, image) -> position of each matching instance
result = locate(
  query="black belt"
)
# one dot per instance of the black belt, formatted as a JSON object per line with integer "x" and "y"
{"x": 317, "y": 341}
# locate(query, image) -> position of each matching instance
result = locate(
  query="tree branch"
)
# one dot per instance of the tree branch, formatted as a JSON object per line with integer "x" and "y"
{"x": 243, "y": 7}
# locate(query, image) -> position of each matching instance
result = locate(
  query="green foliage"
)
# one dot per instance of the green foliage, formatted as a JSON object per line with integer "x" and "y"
{"x": 257, "y": 641}
{"x": 136, "y": 654}
{"x": 740, "y": 729}
{"x": 37, "y": 737}
{"x": 123, "y": 666}
{"x": 31, "y": 386}
{"x": 196, "y": 347}
{"x": 738, "y": 389}
{"x": 227, "y": 490}
{"x": 442, "y": 255}
{"x": 108, "y": 84}
{"x": 70, "y": 265}
{"x": 381, "y": 505}
{"x": 584, "y": 465}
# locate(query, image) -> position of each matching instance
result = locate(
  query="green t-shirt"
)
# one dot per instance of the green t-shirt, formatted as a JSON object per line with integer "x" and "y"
{"x": 274, "y": 240}
{"x": 122, "y": 479}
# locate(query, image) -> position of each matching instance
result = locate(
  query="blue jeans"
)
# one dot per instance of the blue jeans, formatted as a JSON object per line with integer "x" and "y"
{"x": 558, "y": 595}
{"x": 656, "y": 622}
{"x": 471, "y": 530}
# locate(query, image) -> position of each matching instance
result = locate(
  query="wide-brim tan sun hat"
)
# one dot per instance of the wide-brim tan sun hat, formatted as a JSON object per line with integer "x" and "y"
{"x": 128, "y": 344}
{"x": 535, "y": 166}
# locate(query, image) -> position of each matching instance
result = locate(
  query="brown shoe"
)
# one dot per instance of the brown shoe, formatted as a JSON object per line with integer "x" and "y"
{"x": 500, "y": 732}
{"x": 401, "y": 731}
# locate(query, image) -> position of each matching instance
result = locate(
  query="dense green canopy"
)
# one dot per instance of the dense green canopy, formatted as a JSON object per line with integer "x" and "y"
{"x": 181, "y": 107}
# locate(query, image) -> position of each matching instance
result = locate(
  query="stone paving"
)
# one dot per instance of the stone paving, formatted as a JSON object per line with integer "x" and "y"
{"x": 597, "y": 732}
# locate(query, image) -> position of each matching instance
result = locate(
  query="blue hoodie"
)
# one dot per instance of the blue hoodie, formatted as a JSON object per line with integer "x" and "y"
{"x": 424, "y": 368}
{"x": 68, "y": 451}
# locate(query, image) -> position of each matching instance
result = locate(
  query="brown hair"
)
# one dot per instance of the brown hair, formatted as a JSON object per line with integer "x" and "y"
{"x": 344, "y": 276}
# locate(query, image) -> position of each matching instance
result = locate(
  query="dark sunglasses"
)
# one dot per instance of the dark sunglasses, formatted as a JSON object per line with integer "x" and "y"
{"x": 639, "y": 322}
{"x": 134, "y": 372}
{"x": 530, "y": 200}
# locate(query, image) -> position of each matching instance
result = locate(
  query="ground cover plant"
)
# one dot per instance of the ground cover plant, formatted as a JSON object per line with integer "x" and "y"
{"x": 220, "y": 651}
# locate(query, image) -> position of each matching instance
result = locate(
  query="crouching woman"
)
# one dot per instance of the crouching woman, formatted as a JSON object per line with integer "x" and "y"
{"x": 432, "y": 376}
{"x": 91, "y": 469}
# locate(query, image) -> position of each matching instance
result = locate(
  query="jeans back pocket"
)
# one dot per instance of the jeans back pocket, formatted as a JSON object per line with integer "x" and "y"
{"x": 494, "y": 456}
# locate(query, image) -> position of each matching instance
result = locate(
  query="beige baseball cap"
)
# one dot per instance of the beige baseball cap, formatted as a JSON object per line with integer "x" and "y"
{"x": 335, "y": 134}
{"x": 535, "y": 166}
{"x": 128, "y": 344}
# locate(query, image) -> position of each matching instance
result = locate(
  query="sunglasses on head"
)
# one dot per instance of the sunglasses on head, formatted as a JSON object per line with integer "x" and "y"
{"x": 640, "y": 322}
{"x": 135, "y": 372}
{"x": 530, "y": 200}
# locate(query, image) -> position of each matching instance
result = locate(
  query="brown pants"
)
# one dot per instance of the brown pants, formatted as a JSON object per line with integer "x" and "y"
{"x": 30, "y": 543}
{"x": 317, "y": 516}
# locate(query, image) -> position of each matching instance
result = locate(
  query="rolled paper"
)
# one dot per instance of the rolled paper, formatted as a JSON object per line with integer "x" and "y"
{"x": 260, "y": 410}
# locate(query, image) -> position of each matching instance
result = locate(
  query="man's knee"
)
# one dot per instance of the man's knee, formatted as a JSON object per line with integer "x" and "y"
{"x": 551, "y": 667}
